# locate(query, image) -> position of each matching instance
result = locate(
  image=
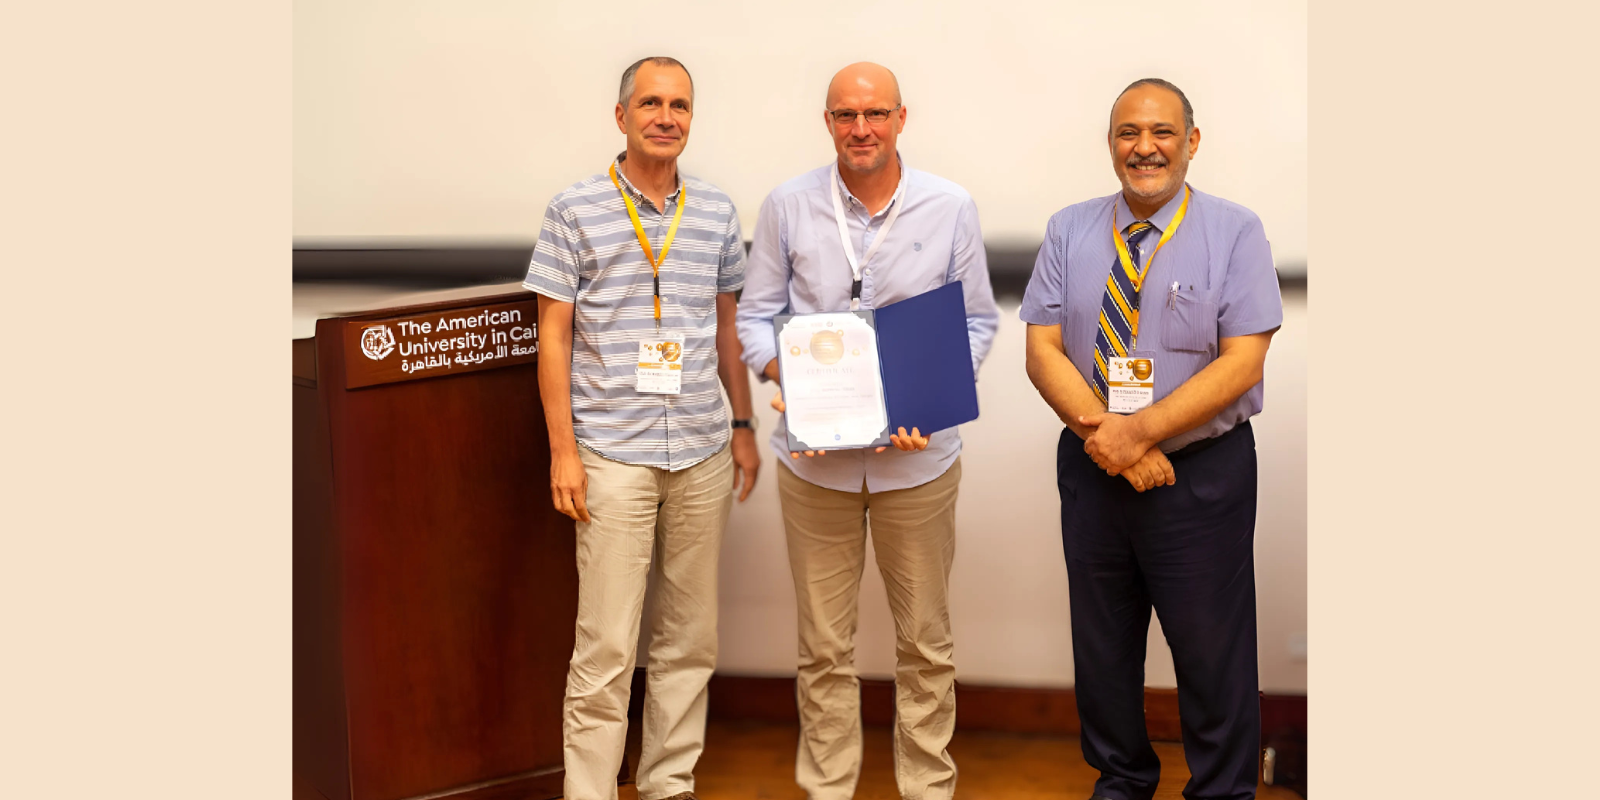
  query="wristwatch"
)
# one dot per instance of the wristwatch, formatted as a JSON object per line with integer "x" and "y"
{"x": 745, "y": 423}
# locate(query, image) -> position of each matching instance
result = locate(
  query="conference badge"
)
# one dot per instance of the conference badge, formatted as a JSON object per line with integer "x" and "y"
{"x": 660, "y": 369}
{"x": 1131, "y": 384}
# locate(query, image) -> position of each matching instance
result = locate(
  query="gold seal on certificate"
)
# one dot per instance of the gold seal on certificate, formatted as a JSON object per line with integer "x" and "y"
{"x": 827, "y": 347}
{"x": 832, "y": 386}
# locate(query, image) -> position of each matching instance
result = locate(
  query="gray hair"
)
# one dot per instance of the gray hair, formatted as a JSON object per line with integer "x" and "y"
{"x": 1188, "y": 110}
{"x": 626, "y": 91}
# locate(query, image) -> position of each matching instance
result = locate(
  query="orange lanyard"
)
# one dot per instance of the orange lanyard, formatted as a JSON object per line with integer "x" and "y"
{"x": 1122, "y": 247}
{"x": 1127, "y": 260}
{"x": 644, "y": 241}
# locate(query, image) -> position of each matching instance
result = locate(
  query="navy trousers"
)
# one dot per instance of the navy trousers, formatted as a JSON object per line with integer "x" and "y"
{"x": 1187, "y": 551}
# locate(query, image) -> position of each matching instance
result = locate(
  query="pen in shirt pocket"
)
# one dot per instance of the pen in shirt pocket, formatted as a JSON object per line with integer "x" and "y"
{"x": 1172, "y": 296}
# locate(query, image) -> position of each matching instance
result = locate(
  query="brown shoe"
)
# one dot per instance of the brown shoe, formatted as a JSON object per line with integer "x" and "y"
{"x": 682, "y": 796}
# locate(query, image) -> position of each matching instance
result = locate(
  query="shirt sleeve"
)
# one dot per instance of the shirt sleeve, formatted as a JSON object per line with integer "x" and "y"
{"x": 1249, "y": 301}
{"x": 554, "y": 269}
{"x": 1041, "y": 302}
{"x": 766, "y": 288}
{"x": 970, "y": 265}
{"x": 730, "y": 272}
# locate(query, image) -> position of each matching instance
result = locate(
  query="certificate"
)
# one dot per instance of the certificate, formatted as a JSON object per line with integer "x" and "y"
{"x": 832, "y": 386}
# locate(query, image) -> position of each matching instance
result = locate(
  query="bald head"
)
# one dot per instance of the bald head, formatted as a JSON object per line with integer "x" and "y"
{"x": 864, "y": 77}
{"x": 867, "y": 96}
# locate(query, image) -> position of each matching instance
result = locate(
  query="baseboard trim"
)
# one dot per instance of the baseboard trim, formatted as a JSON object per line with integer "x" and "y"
{"x": 1006, "y": 709}
{"x": 543, "y": 784}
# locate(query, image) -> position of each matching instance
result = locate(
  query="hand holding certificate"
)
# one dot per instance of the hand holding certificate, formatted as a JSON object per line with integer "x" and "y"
{"x": 854, "y": 379}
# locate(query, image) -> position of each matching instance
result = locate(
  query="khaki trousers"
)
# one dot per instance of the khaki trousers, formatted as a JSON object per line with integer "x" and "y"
{"x": 636, "y": 512}
{"x": 913, "y": 535}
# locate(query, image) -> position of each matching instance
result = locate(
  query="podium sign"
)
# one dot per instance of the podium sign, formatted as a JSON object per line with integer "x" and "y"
{"x": 436, "y": 343}
{"x": 435, "y": 597}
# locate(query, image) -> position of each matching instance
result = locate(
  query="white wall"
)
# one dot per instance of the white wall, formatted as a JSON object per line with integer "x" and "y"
{"x": 1009, "y": 585}
{"x": 445, "y": 120}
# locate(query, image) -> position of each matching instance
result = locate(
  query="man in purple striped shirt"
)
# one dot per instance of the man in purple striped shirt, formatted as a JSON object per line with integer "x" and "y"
{"x": 1192, "y": 326}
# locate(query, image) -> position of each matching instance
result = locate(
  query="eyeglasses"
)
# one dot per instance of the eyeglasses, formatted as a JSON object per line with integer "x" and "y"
{"x": 876, "y": 116}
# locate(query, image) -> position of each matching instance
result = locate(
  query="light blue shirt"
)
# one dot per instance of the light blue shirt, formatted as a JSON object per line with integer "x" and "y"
{"x": 1225, "y": 286}
{"x": 797, "y": 265}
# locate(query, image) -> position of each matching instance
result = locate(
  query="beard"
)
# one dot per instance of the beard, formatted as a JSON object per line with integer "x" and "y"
{"x": 1176, "y": 172}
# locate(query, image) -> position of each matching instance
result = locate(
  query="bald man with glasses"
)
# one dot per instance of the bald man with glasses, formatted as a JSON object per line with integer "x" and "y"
{"x": 861, "y": 233}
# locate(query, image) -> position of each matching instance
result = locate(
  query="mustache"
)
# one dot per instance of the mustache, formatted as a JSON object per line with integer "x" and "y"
{"x": 1145, "y": 162}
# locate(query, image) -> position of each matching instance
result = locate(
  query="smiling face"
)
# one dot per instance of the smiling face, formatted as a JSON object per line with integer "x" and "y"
{"x": 1150, "y": 150}
{"x": 656, "y": 117}
{"x": 864, "y": 146}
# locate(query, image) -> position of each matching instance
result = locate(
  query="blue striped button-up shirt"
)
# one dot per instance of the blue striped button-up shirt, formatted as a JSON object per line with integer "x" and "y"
{"x": 798, "y": 266}
{"x": 1213, "y": 280}
{"x": 589, "y": 255}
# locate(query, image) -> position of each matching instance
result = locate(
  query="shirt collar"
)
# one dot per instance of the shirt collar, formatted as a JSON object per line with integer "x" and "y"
{"x": 1159, "y": 220}
{"x": 638, "y": 196}
{"x": 899, "y": 190}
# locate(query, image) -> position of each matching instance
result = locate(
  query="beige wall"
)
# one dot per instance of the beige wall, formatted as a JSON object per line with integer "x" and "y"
{"x": 460, "y": 120}
{"x": 434, "y": 120}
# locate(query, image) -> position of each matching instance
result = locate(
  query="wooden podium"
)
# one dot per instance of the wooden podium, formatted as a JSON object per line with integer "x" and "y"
{"x": 435, "y": 588}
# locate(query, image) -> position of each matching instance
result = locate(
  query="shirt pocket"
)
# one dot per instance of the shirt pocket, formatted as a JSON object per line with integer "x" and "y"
{"x": 1190, "y": 323}
{"x": 694, "y": 284}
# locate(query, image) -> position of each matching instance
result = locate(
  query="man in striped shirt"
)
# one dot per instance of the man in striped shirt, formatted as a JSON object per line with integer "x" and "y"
{"x": 636, "y": 269}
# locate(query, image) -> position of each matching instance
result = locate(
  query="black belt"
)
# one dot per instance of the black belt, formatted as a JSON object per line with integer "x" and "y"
{"x": 1206, "y": 444}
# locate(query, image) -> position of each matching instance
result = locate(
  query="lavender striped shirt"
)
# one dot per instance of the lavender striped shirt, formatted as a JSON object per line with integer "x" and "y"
{"x": 589, "y": 255}
{"x": 1220, "y": 260}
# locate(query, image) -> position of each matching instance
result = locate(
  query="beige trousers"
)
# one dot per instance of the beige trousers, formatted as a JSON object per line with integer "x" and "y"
{"x": 913, "y": 535}
{"x": 636, "y": 513}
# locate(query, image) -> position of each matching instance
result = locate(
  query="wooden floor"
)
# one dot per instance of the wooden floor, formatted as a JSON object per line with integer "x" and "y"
{"x": 745, "y": 761}
{"x": 755, "y": 761}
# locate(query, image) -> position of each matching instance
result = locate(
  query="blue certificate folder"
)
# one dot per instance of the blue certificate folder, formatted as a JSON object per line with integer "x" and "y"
{"x": 925, "y": 361}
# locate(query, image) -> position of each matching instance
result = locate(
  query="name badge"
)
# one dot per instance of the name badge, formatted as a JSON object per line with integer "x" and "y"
{"x": 660, "y": 365}
{"x": 1131, "y": 383}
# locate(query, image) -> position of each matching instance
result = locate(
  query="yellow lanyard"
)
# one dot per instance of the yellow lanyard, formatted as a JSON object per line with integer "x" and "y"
{"x": 1122, "y": 247}
{"x": 644, "y": 241}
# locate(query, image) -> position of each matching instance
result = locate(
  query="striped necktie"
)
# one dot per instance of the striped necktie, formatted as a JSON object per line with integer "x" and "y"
{"x": 1119, "y": 309}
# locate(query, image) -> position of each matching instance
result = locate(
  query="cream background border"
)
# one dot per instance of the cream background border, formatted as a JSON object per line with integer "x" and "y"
{"x": 145, "y": 577}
